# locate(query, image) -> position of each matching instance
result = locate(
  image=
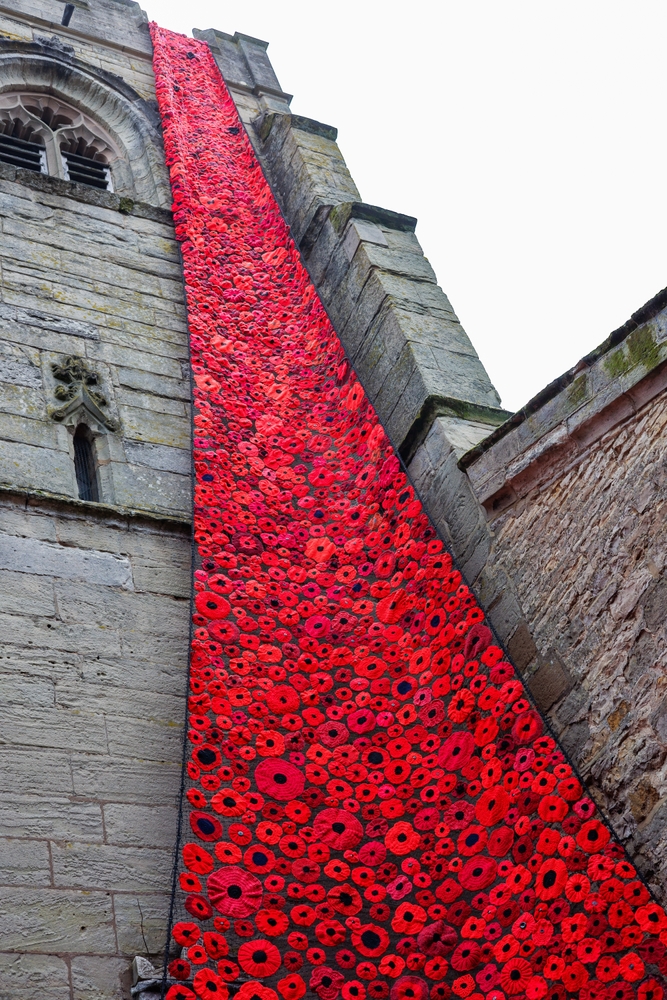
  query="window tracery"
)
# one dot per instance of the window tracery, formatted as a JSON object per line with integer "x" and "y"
{"x": 41, "y": 133}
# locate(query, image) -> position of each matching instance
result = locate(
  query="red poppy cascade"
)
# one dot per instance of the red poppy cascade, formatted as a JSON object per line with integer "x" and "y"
{"x": 374, "y": 808}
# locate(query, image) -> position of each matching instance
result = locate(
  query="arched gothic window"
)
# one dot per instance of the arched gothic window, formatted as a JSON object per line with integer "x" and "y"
{"x": 85, "y": 465}
{"x": 40, "y": 133}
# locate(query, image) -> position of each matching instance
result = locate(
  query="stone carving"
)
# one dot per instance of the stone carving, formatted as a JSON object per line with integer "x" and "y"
{"x": 78, "y": 390}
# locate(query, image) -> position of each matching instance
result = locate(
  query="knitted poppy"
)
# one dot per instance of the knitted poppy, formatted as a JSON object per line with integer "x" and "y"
{"x": 408, "y": 918}
{"x": 409, "y": 988}
{"x": 259, "y": 957}
{"x": 279, "y": 779}
{"x": 401, "y": 838}
{"x": 209, "y": 986}
{"x": 492, "y": 806}
{"x": 551, "y": 878}
{"x": 326, "y": 982}
{"x": 179, "y": 969}
{"x": 234, "y": 892}
{"x": 291, "y": 987}
{"x": 178, "y": 992}
{"x": 515, "y": 976}
{"x": 438, "y": 938}
{"x": 370, "y": 940}
{"x": 593, "y": 836}
{"x": 337, "y": 828}
{"x": 255, "y": 991}
{"x": 205, "y": 826}
{"x": 186, "y": 933}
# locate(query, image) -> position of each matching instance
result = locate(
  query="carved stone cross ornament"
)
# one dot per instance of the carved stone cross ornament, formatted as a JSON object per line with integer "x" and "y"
{"x": 78, "y": 391}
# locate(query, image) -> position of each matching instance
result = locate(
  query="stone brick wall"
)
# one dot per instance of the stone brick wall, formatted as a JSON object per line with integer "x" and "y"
{"x": 94, "y": 611}
{"x": 94, "y": 597}
{"x": 598, "y": 615}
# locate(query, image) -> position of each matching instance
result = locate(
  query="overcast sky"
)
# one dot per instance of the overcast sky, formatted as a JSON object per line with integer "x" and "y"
{"x": 527, "y": 137}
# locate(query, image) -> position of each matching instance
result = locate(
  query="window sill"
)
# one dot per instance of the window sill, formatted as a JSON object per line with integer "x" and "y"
{"x": 85, "y": 194}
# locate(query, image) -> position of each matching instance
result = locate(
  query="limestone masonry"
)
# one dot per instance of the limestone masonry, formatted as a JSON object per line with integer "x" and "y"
{"x": 556, "y": 514}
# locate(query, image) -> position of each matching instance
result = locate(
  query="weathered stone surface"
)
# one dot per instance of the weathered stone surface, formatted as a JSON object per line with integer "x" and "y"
{"x": 95, "y": 978}
{"x": 24, "y": 977}
{"x": 56, "y": 920}
{"x": 586, "y": 553}
{"x": 105, "y": 866}
{"x": 28, "y": 555}
{"x": 24, "y": 862}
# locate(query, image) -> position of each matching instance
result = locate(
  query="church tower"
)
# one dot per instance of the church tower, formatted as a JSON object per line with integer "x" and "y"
{"x": 555, "y": 515}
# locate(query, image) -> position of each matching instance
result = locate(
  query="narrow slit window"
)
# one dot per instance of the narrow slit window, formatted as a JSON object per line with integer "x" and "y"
{"x": 85, "y": 466}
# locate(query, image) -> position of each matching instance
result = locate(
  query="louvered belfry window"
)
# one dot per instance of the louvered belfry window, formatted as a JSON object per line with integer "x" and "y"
{"x": 40, "y": 133}
{"x": 17, "y": 147}
{"x": 85, "y": 466}
{"x": 84, "y": 164}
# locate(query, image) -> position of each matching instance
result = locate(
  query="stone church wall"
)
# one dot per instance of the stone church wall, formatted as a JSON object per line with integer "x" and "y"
{"x": 94, "y": 597}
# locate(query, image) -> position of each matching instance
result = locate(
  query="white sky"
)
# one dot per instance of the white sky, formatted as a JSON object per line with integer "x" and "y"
{"x": 527, "y": 137}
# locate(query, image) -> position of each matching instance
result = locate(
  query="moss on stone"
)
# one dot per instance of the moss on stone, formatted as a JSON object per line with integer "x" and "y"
{"x": 642, "y": 349}
{"x": 577, "y": 391}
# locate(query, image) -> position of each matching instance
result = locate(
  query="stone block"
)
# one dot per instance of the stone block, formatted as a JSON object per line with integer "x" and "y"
{"x": 33, "y": 556}
{"x": 29, "y": 692}
{"x": 141, "y": 917}
{"x": 49, "y": 816}
{"x": 29, "y": 466}
{"x": 56, "y": 921}
{"x": 30, "y": 768}
{"x": 24, "y": 862}
{"x": 140, "y": 826}
{"x": 159, "y": 456}
{"x": 522, "y": 649}
{"x": 550, "y": 682}
{"x": 156, "y": 616}
{"x": 150, "y": 740}
{"x": 99, "y": 978}
{"x": 105, "y": 866}
{"x": 121, "y": 778}
{"x": 24, "y": 977}
{"x": 54, "y": 729}
{"x": 156, "y": 427}
{"x": 22, "y": 593}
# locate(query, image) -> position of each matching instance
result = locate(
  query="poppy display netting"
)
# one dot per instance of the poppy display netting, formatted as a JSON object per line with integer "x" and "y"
{"x": 373, "y": 805}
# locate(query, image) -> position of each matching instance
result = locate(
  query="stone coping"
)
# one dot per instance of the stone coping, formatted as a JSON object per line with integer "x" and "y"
{"x": 607, "y": 386}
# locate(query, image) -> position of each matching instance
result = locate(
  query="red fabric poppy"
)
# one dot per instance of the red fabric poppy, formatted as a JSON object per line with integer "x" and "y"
{"x": 259, "y": 957}
{"x": 209, "y": 986}
{"x": 279, "y": 779}
{"x": 234, "y": 892}
{"x": 338, "y": 829}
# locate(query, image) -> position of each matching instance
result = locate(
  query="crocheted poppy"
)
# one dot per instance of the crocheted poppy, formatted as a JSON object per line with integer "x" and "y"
{"x": 409, "y": 988}
{"x": 234, "y": 892}
{"x": 338, "y": 829}
{"x": 279, "y": 779}
{"x": 259, "y": 957}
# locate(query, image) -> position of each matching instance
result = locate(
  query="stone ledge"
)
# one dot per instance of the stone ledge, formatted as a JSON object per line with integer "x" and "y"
{"x": 605, "y": 388}
{"x": 88, "y": 195}
{"x": 642, "y": 317}
{"x": 446, "y": 406}
{"x": 86, "y": 508}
